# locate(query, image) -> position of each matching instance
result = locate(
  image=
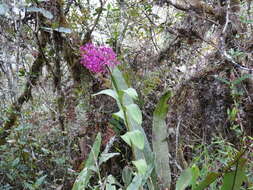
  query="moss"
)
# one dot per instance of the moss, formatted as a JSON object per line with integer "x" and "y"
{"x": 150, "y": 83}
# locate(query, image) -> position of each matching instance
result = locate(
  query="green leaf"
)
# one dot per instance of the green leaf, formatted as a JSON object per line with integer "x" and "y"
{"x": 85, "y": 175}
{"x": 92, "y": 158}
{"x": 136, "y": 183}
{"x": 233, "y": 180}
{"x": 134, "y": 112}
{"x": 112, "y": 182}
{"x": 133, "y": 125}
{"x": 242, "y": 78}
{"x": 249, "y": 21}
{"x": 110, "y": 187}
{"x": 223, "y": 80}
{"x": 127, "y": 175}
{"x": 119, "y": 114}
{"x": 40, "y": 180}
{"x": 141, "y": 166}
{"x": 108, "y": 92}
{"x": 82, "y": 180}
{"x": 210, "y": 178}
{"x": 135, "y": 138}
{"x": 28, "y": 186}
{"x": 106, "y": 156}
{"x": 15, "y": 162}
{"x": 195, "y": 175}
{"x": 160, "y": 145}
{"x": 44, "y": 12}
{"x": 119, "y": 79}
{"x": 132, "y": 93}
{"x": 146, "y": 177}
{"x": 184, "y": 180}
{"x": 162, "y": 106}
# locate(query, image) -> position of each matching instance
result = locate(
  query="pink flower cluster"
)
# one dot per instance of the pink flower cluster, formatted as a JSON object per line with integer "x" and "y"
{"x": 96, "y": 58}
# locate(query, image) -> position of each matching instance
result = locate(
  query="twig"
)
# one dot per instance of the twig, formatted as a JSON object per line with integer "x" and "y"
{"x": 222, "y": 40}
{"x": 231, "y": 60}
{"x": 227, "y": 18}
{"x": 177, "y": 134}
{"x": 98, "y": 17}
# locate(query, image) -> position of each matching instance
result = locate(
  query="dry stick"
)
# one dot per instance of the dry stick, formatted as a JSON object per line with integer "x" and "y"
{"x": 89, "y": 32}
{"x": 177, "y": 134}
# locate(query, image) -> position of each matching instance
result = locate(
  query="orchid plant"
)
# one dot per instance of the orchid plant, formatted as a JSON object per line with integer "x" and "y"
{"x": 102, "y": 59}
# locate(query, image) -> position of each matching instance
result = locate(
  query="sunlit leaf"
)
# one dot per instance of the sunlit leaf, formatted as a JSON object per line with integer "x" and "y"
{"x": 141, "y": 166}
{"x": 195, "y": 174}
{"x": 106, "y": 156}
{"x": 133, "y": 125}
{"x": 136, "y": 183}
{"x": 108, "y": 92}
{"x": 135, "y": 138}
{"x": 184, "y": 180}
{"x": 131, "y": 92}
{"x": 134, "y": 112}
{"x": 119, "y": 114}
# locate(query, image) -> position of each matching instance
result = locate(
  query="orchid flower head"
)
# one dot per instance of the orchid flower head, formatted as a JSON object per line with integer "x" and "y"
{"x": 96, "y": 58}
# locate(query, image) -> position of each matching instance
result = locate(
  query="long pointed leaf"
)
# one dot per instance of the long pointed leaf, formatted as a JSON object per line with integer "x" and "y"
{"x": 85, "y": 175}
{"x": 233, "y": 180}
{"x": 160, "y": 146}
{"x": 210, "y": 178}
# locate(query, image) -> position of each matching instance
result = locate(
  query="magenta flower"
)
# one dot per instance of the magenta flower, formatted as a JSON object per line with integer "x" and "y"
{"x": 96, "y": 58}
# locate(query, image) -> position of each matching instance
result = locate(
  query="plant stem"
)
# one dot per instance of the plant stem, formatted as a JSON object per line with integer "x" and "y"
{"x": 120, "y": 99}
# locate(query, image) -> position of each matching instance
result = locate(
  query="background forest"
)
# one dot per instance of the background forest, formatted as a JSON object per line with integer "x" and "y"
{"x": 126, "y": 94}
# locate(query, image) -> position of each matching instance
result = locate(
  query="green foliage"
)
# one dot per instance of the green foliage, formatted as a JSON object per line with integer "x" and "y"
{"x": 90, "y": 166}
{"x": 134, "y": 138}
{"x": 131, "y": 114}
{"x": 127, "y": 175}
{"x": 141, "y": 166}
{"x": 33, "y": 162}
{"x": 133, "y": 121}
{"x": 134, "y": 113}
{"x": 187, "y": 178}
{"x": 150, "y": 82}
{"x": 231, "y": 179}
